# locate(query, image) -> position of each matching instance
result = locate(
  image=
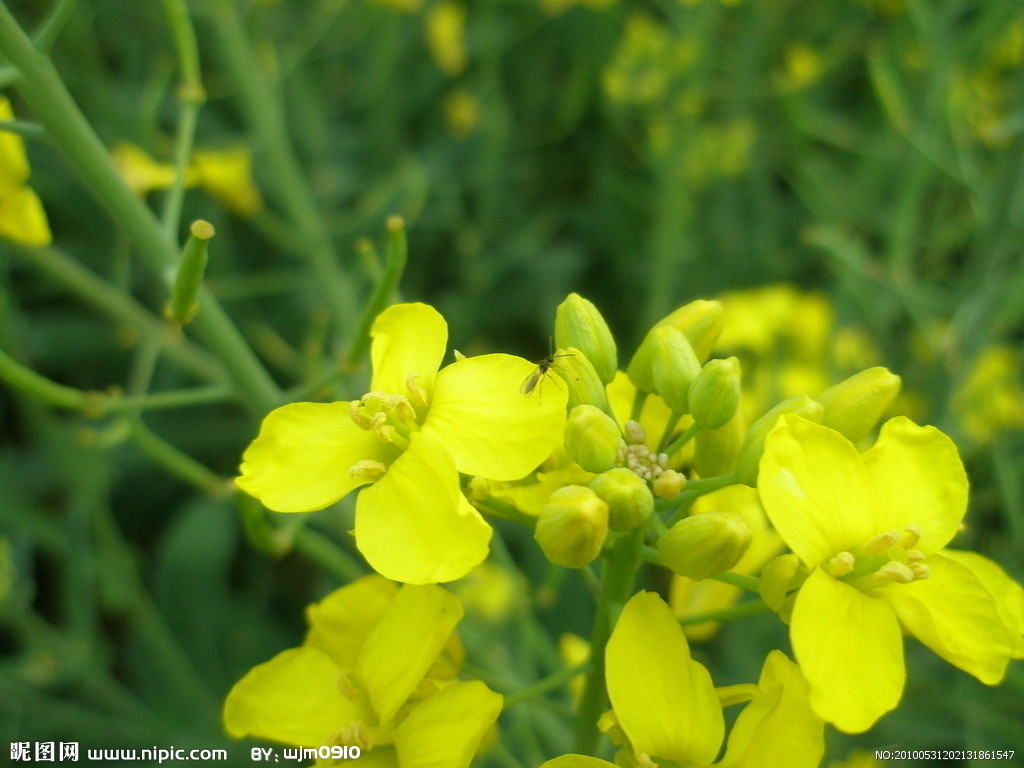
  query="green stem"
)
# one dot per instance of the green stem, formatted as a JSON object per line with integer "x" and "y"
{"x": 639, "y": 398}
{"x": 621, "y": 561}
{"x": 55, "y": 24}
{"x": 51, "y": 393}
{"x": 192, "y": 96}
{"x": 549, "y": 683}
{"x": 177, "y": 463}
{"x": 741, "y": 580}
{"x": 265, "y": 115}
{"x": 43, "y": 90}
{"x": 697, "y": 488}
{"x": 738, "y": 611}
{"x": 397, "y": 254}
{"x": 683, "y": 439}
{"x": 122, "y": 308}
{"x": 327, "y": 554}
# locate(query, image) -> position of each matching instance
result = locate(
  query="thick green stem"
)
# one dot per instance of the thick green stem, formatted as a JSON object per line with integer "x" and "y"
{"x": 44, "y": 92}
{"x": 621, "y": 561}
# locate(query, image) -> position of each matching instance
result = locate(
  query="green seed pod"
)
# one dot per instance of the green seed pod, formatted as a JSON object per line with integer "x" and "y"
{"x": 700, "y": 321}
{"x": 715, "y": 450}
{"x": 704, "y": 545}
{"x": 629, "y": 499}
{"x": 592, "y": 438}
{"x": 572, "y": 527}
{"x": 188, "y": 278}
{"x": 579, "y": 324}
{"x": 674, "y": 367}
{"x": 854, "y": 406}
{"x": 715, "y": 393}
{"x": 747, "y": 464}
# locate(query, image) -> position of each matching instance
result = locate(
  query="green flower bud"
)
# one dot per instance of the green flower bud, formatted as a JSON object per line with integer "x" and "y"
{"x": 674, "y": 366}
{"x": 854, "y": 406}
{"x": 704, "y": 545}
{"x": 629, "y": 499}
{"x": 715, "y": 393}
{"x": 579, "y": 375}
{"x": 700, "y": 321}
{"x": 592, "y": 438}
{"x": 188, "y": 278}
{"x": 747, "y": 463}
{"x": 780, "y": 579}
{"x": 579, "y": 324}
{"x": 572, "y": 527}
{"x": 715, "y": 450}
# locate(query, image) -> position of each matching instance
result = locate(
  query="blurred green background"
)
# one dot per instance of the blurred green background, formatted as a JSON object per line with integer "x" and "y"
{"x": 640, "y": 153}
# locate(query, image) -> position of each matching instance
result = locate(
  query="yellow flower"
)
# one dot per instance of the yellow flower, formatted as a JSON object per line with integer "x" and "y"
{"x": 139, "y": 170}
{"x": 870, "y": 528}
{"x": 409, "y": 438}
{"x": 22, "y": 218}
{"x": 377, "y": 670}
{"x": 227, "y": 175}
{"x": 666, "y": 707}
{"x": 991, "y": 398}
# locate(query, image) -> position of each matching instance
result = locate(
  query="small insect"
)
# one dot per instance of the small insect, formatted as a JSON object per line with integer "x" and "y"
{"x": 542, "y": 371}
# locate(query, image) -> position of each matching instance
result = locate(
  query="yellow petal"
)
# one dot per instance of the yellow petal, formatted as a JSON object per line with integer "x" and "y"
{"x": 22, "y": 218}
{"x": 406, "y": 641}
{"x": 778, "y": 727}
{"x": 407, "y": 339}
{"x": 293, "y": 699}
{"x": 444, "y": 731}
{"x": 414, "y": 525}
{"x": 340, "y": 622}
{"x": 814, "y": 488}
{"x": 664, "y": 701}
{"x": 1007, "y": 593}
{"x": 300, "y": 460}
{"x": 489, "y": 427}
{"x": 577, "y": 761}
{"x": 953, "y": 614}
{"x": 850, "y": 650}
{"x": 919, "y": 480}
{"x": 13, "y": 162}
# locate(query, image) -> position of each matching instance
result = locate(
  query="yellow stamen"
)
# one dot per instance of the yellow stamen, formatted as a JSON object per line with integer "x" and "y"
{"x": 417, "y": 394}
{"x": 894, "y": 571}
{"x": 367, "y": 469}
{"x": 881, "y": 543}
{"x": 840, "y": 565}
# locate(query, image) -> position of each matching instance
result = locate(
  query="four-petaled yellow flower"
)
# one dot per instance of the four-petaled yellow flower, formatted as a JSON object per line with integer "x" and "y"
{"x": 665, "y": 707}
{"x": 377, "y": 670}
{"x": 870, "y": 528}
{"x": 409, "y": 438}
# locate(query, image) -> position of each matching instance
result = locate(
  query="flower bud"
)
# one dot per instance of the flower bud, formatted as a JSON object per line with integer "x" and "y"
{"x": 668, "y": 484}
{"x": 704, "y": 545}
{"x": 581, "y": 379}
{"x": 700, "y": 321}
{"x": 715, "y": 450}
{"x": 579, "y": 324}
{"x": 779, "y": 578}
{"x": 715, "y": 393}
{"x": 854, "y": 406}
{"x": 674, "y": 366}
{"x": 592, "y": 438}
{"x": 747, "y": 463}
{"x": 629, "y": 499}
{"x": 572, "y": 527}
